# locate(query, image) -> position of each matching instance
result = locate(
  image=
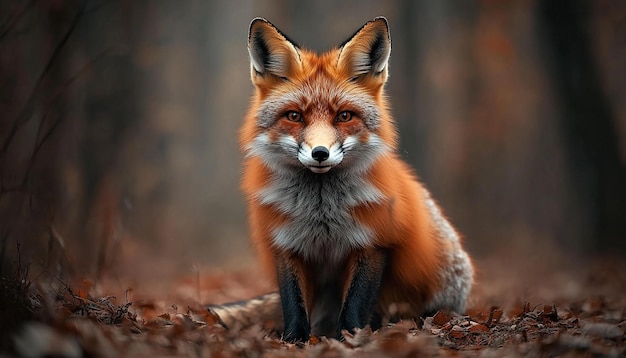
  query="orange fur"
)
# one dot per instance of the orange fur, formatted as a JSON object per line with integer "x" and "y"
{"x": 402, "y": 223}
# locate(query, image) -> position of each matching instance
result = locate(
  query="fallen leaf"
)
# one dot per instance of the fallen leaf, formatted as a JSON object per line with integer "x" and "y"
{"x": 479, "y": 328}
{"x": 441, "y": 318}
{"x": 550, "y": 313}
{"x": 457, "y": 332}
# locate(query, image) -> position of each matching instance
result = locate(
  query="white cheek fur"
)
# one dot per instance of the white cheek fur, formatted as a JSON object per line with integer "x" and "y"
{"x": 278, "y": 155}
{"x": 285, "y": 152}
{"x": 319, "y": 205}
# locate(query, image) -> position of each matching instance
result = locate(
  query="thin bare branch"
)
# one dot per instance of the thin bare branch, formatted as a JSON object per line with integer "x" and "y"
{"x": 59, "y": 92}
{"x": 14, "y": 20}
{"x": 27, "y": 111}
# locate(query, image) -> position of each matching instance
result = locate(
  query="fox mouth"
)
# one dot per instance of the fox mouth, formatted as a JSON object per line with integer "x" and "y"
{"x": 320, "y": 169}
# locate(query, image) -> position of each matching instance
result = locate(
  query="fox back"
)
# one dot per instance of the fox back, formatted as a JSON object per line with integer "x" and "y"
{"x": 337, "y": 218}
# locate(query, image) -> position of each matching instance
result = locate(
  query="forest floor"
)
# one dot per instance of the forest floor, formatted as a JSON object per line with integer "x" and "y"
{"x": 519, "y": 307}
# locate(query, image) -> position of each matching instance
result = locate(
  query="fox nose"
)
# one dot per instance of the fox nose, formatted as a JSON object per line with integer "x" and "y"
{"x": 320, "y": 153}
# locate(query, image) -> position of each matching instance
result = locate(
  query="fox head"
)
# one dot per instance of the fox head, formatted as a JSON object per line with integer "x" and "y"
{"x": 323, "y": 111}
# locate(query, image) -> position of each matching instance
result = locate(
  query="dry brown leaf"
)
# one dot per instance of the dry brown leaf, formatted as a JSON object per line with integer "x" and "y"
{"x": 441, "y": 318}
{"x": 360, "y": 337}
{"x": 550, "y": 313}
{"x": 478, "y": 328}
{"x": 457, "y": 332}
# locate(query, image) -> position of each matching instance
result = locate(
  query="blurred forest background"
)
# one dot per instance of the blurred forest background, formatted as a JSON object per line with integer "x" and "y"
{"x": 119, "y": 119}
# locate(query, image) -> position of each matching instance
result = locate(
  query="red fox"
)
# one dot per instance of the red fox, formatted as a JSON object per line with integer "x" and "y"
{"x": 338, "y": 219}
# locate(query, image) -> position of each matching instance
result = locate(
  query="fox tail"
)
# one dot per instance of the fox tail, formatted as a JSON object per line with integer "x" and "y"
{"x": 265, "y": 310}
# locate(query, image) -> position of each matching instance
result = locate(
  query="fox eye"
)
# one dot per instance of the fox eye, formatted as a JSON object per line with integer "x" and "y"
{"x": 344, "y": 116}
{"x": 293, "y": 116}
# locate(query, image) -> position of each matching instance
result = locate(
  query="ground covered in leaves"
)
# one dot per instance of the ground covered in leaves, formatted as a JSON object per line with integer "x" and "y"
{"x": 547, "y": 309}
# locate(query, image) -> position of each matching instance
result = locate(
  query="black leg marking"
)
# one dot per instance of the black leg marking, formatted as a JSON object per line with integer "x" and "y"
{"x": 376, "y": 320}
{"x": 363, "y": 291}
{"x": 297, "y": 327}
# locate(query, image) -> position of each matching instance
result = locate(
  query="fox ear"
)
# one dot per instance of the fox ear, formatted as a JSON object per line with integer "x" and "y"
{"x": 271, "y": 51}
{"x": 367, "y": 51}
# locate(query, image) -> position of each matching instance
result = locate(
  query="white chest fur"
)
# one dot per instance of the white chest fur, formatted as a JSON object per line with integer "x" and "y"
{"x": 319, "y": 207}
